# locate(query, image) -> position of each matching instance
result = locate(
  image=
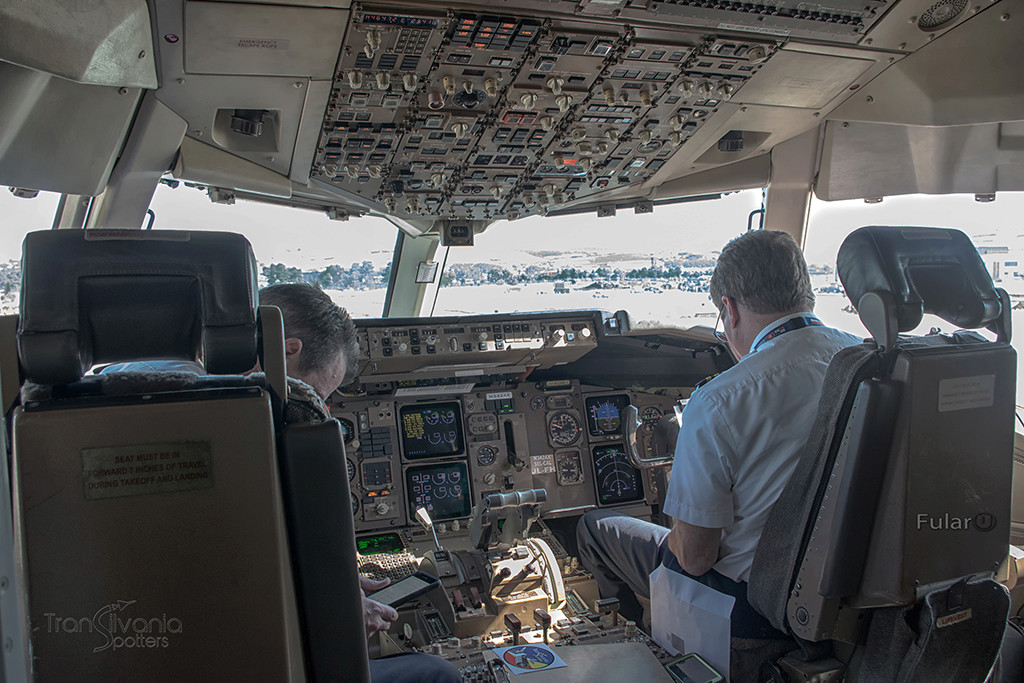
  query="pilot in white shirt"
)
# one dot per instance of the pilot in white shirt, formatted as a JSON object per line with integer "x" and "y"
{"x": 740, "y": 437}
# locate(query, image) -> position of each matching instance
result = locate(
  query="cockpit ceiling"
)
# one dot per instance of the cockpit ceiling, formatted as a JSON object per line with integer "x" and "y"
{"x": 464, "y": 114}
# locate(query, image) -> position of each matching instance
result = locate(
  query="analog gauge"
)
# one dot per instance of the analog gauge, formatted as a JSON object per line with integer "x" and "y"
{"x": 351, "y": 469}
{"x": 650, "y": 416}
{"x": 537, "y": 403}
{"x": 355, "y": 505}
{"x": 569, "y": 468}
{"x": 564, "y": 429}
{"x": 348, "y": 430}
{"x": 486, "y": 455}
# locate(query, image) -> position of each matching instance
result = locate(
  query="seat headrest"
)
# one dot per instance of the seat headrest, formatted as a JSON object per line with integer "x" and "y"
{"x": 924, "y": 270}
{"x": 99, "y": 296}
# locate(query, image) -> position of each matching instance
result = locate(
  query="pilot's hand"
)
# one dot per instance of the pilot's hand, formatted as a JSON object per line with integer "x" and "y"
{"x": 376, "y": 616}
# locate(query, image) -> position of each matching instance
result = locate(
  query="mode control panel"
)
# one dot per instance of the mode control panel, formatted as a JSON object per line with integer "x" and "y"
{"x": 393, "y": 346}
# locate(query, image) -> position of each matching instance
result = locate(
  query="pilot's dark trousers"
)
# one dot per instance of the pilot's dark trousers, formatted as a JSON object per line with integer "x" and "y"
{"x": 413, "y": 668}
{"x": 621, "y": 552}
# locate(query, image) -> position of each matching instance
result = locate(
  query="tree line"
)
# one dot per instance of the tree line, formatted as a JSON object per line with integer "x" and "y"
{"x": 365, "y": 276}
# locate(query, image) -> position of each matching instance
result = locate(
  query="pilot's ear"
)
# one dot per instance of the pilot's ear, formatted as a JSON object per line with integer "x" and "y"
{"x": 292, "y": 347}
{"x": 731, "y": 315}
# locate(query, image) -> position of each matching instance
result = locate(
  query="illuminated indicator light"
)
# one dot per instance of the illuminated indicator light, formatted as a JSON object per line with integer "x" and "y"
{"x": 569, "y": 161}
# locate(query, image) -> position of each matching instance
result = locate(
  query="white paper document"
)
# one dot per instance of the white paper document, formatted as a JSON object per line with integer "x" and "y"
{"x": 687, "y": 616}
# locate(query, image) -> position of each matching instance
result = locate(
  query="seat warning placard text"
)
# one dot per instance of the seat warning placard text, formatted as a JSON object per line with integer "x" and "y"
{"x": 142, "y": 469}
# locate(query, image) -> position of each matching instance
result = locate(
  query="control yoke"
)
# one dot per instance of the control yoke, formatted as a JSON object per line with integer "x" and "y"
{"x": 663, "y": 440}
{"x": 517, "y": 509}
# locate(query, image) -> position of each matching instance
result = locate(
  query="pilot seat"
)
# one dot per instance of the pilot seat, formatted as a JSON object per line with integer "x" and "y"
{"x": 879, "y": 557}
{"x": 173, "y": 526}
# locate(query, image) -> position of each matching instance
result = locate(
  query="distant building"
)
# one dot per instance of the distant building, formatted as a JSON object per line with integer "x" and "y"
{"x": 561, "y": 288}
{"x": 1003, "y": 264}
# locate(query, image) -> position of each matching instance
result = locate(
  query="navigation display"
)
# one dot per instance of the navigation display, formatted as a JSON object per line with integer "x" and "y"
{"x": 442, "y": 489}
{"x": 617, "y": 480}
{"x": 604, "y": 414}
{"x": 431, "y": 430}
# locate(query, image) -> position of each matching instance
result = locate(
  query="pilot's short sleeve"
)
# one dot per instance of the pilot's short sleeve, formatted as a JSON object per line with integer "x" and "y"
{"x": 700, "y": 489}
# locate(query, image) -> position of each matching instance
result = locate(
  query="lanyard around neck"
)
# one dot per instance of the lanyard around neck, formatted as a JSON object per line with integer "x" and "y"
{"x": 788, "y": 326}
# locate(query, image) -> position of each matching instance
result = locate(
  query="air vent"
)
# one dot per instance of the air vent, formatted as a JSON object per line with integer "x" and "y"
{"x": 941, "y": 14}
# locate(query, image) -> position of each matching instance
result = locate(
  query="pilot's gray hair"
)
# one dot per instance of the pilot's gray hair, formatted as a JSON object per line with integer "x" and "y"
{"x": 765, "y": 271}
{"x": 323, "y": 327}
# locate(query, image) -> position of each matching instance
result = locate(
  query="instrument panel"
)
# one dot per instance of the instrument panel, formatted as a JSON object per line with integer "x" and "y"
{"x": 443, "y": 443}
{"x": 446, "y": 454}
{"x": 537, "y": 408}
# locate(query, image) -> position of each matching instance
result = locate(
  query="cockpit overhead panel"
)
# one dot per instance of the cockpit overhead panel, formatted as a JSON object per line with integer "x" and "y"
{"x": 476, "y": 116}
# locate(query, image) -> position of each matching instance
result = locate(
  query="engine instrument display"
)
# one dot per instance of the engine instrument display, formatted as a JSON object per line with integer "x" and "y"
{"x": 604, "y": 414}
{"x": 617, "y": 480}
{"x": 431, "y": 430}
{"x": 442, "y": 489}
{"x": 564, "y": 429}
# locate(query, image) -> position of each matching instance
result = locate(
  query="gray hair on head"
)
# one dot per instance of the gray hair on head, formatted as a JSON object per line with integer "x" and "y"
{"x": 323, "y": 327}
{"x": 765, "y": 271}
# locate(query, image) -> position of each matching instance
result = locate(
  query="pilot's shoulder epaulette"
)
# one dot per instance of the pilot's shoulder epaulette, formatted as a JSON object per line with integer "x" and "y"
{"x": 706, "y": 380}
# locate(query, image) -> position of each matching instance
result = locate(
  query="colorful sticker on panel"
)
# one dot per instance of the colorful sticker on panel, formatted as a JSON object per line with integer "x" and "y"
{"x": 521, "y": 659}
